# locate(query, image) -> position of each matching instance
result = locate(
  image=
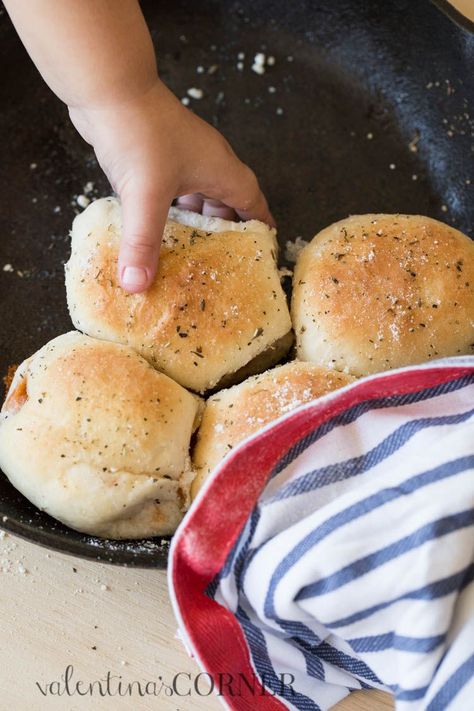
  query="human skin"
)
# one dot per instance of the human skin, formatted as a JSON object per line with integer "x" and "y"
{"x": 97, "y": 56}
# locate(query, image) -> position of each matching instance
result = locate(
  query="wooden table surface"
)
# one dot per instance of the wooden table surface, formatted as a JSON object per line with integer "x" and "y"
{"x": 57, "y": 610}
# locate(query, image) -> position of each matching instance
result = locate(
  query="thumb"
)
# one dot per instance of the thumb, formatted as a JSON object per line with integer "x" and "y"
{"x": 144, "y": 215}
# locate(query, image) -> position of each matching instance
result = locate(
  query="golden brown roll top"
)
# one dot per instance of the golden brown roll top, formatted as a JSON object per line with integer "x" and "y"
{"x": 215, "y": 307}
{"x": 97, "y": 438}
{"x": 375, "y": 292}
{"x": 234, "y": 414}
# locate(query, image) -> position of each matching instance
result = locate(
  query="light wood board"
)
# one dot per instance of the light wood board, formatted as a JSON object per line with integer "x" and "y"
{"x": 55, "y": 609}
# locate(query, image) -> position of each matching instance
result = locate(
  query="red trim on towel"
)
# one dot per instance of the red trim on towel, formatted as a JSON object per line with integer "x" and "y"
{"x": 212, "y": 526}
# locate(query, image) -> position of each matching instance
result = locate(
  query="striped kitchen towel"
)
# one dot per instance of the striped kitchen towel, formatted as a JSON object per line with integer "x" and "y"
{"x": 334, "y": 550}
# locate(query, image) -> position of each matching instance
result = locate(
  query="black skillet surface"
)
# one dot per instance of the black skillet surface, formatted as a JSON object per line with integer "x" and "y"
{"x": 373, "y": 111}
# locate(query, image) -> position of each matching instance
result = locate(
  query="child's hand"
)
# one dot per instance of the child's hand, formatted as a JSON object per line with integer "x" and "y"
{"x": 98, "y": 57}
{"x": 153, "y": 149}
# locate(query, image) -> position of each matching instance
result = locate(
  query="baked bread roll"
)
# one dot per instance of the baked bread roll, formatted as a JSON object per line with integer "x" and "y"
{"x": 375, "y": 292}
{"x": 234, "y": 414}
{"x": 97, "y": 438}
{"x": 216, "y": 311}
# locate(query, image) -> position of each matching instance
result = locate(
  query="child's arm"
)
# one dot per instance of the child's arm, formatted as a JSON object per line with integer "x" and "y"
{"x": 97, "y": 56}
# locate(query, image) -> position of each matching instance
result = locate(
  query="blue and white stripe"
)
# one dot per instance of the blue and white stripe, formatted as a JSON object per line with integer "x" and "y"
{"x": 356, "y": 567}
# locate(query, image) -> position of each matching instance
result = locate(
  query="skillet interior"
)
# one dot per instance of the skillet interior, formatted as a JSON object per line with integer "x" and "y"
{"x": 401, "y": 71}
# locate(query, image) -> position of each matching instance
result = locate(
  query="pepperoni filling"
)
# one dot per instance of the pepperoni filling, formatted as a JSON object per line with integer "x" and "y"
{"x": 16, "y": 398}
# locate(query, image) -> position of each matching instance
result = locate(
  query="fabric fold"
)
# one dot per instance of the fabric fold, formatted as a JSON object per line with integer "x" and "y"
{"x": 335, "y": 549}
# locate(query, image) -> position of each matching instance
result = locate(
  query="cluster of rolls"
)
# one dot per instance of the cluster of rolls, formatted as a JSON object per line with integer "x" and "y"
{"x": 113, "y": 428}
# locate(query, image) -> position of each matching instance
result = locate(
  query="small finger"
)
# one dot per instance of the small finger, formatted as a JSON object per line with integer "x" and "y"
{"x": 144, "y": 216}
{"x": 216, "y": 208}
{"x": 240, "y": 190}
{"x": 192, "y": 202}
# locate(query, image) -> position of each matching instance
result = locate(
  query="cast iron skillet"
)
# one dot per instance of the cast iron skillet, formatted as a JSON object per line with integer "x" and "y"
{"x": 367, "y": 96}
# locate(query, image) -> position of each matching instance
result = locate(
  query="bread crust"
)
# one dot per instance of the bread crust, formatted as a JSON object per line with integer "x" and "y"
{"x": 238, "y": 412}
{"x": 97, "y": 438}
{"x": 215, "y": 305}
{"x": 375, "y": 292}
